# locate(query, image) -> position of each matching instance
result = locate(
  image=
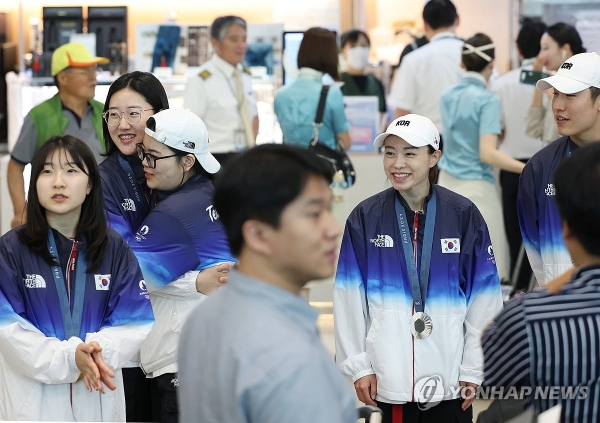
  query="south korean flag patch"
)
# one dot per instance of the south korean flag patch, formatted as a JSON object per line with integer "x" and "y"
{"x": 102, "y": 282}
{"x": 450, "y": 245}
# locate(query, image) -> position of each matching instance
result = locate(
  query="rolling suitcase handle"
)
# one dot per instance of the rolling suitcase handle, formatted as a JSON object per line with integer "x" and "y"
{"x": 370, "y": 414}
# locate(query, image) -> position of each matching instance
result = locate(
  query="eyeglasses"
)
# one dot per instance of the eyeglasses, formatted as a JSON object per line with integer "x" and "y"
{"x": 133, "y": 116}
{"x": 151, "y": 159}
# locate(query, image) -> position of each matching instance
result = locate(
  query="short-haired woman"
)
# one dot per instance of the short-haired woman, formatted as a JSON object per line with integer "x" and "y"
{"x": 296, "y": 104}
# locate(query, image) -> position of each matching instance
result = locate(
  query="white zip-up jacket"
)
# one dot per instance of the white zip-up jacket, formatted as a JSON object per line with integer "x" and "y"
{"x": 373, "y": 302}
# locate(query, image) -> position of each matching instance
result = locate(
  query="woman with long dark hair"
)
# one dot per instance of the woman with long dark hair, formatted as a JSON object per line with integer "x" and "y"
{"x": 73, "y": 303}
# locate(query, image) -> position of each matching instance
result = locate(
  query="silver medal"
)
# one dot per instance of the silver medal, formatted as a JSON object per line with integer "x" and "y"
{"x": 420, "y": 325}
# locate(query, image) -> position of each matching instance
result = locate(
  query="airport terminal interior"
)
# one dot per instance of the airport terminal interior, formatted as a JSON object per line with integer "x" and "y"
{"x": 134, "y": 36}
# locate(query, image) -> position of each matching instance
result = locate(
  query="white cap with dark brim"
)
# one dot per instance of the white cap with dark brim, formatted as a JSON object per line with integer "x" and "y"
{"x": 576, "y": 74}
{"x": 416, "y": 130}
{"x": 183, "y": 130}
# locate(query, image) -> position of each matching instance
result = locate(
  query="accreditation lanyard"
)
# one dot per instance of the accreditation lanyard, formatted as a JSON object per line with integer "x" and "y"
{"x": 142, "y": 203}
{"x": 418, "y": 280}
{"x": 71, "y": 317}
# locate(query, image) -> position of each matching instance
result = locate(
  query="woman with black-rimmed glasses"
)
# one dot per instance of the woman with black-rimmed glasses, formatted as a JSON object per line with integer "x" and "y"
{"x": 131, "y": 100}
{"x": 181, "y": 236}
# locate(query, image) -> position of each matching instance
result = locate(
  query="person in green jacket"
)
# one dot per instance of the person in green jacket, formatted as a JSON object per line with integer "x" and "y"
{"x": 72, "y": 111}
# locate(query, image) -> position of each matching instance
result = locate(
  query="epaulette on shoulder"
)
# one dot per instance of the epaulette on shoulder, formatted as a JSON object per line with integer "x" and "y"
{"x": 205, "y": 74}
{"x": 246, "y": 69}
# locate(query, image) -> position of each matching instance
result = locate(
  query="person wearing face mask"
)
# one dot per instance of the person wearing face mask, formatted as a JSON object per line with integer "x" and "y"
{"x": 182, "y": 234}
{"x": 471, "y": 118}
{"x": 559, "y": 43}
{"x": 356, "y": 49}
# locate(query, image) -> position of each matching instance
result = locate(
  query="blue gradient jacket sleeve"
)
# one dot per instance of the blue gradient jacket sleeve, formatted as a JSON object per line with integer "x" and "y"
{"x": 118, "y": 318}
{"x": 125, "y": 212}
{"x": 528, "y": 212}
{"x": 166, "y": 248}
{"x": 350, "y": 304}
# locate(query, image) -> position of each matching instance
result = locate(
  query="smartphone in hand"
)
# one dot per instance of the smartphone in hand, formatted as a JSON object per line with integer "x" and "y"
{"x": 531, "y": 77}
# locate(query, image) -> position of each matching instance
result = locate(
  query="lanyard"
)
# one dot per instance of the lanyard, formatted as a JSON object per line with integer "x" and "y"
{"x": 71, "y": 319}
{"x": 142, "y": 203}
{"x": 418, "y": 282}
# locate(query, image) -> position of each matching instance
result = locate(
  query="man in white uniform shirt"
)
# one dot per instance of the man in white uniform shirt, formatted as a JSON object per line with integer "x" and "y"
{"x": 425, "y": 73}
{"x": 515, "y": 96}
{"x": 221, "y": 94}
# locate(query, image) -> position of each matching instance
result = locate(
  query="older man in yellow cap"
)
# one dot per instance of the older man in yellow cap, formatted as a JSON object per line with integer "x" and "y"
{"x": 71, "y": 111}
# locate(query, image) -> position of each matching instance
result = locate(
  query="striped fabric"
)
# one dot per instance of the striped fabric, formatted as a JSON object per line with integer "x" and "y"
{"x": 550, "y": 343}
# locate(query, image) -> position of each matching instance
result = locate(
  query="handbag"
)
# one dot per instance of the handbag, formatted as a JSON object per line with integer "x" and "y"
{"x": 338, "y": 157}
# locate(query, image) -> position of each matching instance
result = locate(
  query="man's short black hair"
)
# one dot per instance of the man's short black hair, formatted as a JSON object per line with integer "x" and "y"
{"x": 439, "y": 14}
{"x": 529, "y": 37}
{"x": 260, "y": 183}
{"x": 577, "y": 185}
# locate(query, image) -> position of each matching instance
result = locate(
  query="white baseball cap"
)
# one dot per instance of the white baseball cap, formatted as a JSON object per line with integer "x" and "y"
{"x": 416, "y": 130}
{"x": 576, "y": 74}
{"x": 183, "y": 130}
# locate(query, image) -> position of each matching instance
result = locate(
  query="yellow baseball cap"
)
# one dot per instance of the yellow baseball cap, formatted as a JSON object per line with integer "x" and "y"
{"x": 74, "y": 55}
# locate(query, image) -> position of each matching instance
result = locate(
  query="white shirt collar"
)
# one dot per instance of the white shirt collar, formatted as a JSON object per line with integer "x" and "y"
{"x": 527, "y": 62}
{"x": 445, "y": 34}
{"x": 225, "y": 67}
{"x": 310, "y": 73}
{"x": 475, "y": 75}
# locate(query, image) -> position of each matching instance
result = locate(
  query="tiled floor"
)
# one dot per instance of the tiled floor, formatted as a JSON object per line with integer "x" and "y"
{"x": 325, "y": 324}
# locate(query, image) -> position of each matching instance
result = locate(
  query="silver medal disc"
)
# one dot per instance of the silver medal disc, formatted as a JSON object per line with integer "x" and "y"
{"x": 420, "y": 325}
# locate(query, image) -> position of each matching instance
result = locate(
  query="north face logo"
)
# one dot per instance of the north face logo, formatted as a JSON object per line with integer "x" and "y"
{"x": 34, "y": 281}
{"x": 403, "y": 123}
{"x": 383, "y": 241}
{"x": 567, "y": 66}
{"x": 128, "y": 204}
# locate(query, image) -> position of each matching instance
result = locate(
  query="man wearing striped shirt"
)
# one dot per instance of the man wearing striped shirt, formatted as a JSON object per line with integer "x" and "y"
{"x": 549, "y": 340}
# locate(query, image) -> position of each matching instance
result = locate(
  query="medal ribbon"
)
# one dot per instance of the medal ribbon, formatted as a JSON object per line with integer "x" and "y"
{"x": 418, "y": 280}
{"x": 71, "y": 319}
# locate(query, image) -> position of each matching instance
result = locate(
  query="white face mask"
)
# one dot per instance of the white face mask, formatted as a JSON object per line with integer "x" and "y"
{"x": 357, "y": 57}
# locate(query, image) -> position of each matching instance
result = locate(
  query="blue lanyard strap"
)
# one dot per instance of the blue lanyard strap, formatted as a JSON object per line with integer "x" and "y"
{"x": 140, "y": 198}
{"x": 71, "y": 319}
{"x": 418, "y": 282}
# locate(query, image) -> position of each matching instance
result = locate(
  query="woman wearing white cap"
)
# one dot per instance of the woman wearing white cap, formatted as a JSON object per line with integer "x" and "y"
{"x": 181, "y": 234}
{"x": 415, "y": 285}
{"x": 471, "y": 119}
{"x": 131, "y": 100}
